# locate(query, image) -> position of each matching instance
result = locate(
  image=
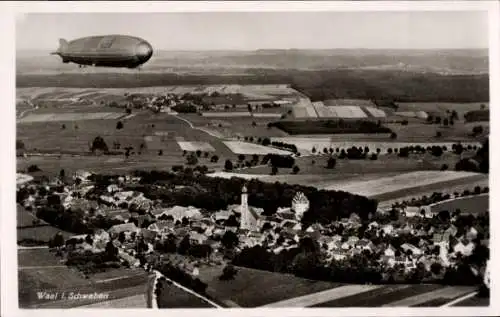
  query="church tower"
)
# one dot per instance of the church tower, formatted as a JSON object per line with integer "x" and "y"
{"x": 245, "y": 214}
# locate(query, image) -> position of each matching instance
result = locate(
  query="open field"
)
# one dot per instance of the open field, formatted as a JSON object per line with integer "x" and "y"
{"x": 407, "y": 180}
{"x": 70, "y": 117}
{"x": 246, "y": 148}
{"x": 51, "y": 165}
{"x": 175, "y": 297}
{"x": 138, "y": 131}
{"x": 375, "y": 112}
{"x": 240, "y": 114}
{"x": 236, "y": 126}
{"x": 136, "y": 301}
{"x": 449, "y": 189}
{"x": 26, "y": 218}
{"x": 441, "y": 107}
{"x": 439, "y": 186}
{"x": 473, "y": 302}
{"x": 37, "y": 257}
{"x": 41, "y": 233}
{"x": 305, "y": 144}
{"x": 388, "y": 163}
{"x": 386, "y": 186}
{"x": 253, "y": 288}
{"x": 249, "y": 92}
{"x": 397, "y": 296}
{"x": 195, "y": 146}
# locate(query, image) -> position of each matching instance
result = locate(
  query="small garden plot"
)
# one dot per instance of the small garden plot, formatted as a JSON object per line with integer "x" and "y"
{"x": 238, "y": 147}
{"x": 196, "y": 146}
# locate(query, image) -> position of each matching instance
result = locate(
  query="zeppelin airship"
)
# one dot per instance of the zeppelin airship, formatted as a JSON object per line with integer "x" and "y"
{"x": 105, "y": 51}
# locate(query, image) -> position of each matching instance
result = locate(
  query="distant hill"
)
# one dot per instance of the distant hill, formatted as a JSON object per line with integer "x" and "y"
{"x": 436, "y": 61}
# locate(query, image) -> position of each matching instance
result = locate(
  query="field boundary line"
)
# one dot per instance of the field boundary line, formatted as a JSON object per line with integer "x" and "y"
{"x": 190, "y": 291}
{"x": 191, "y": 125}
{"x": 323, "y": 296}
{"x": 460, "y": 299}
{"x": 20, "y": 247}
{"x": 41, "y": 267}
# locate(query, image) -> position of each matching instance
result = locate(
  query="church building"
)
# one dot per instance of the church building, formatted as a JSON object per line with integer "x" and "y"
{"x": 251, "y": 219}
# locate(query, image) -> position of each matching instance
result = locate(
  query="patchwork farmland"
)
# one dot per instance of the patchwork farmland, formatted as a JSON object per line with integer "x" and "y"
{"x": 41, "y": 270}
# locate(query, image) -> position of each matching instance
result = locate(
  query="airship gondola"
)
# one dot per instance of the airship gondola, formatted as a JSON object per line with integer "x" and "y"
{"x": 105, "y": 51}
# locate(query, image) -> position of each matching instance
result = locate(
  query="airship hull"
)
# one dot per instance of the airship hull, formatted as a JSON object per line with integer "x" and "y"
{"x": 106, "y": 51}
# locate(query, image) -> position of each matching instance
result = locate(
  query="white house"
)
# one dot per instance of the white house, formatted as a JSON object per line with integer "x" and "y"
{"x": 409, "y": 247}
{"x": 390, "y": 251}
{"x": 388, "y": 229}
{"x": 464, "y": 248}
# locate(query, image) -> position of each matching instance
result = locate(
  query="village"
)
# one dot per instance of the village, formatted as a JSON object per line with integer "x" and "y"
{"x": 138, "y": 227}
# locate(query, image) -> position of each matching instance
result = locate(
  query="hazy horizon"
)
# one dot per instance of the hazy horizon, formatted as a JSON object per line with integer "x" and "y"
{"x": 253, "y": 31}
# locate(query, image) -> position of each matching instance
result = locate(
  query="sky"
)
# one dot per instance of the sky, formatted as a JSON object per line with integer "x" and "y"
{"x": 264, "y": 30}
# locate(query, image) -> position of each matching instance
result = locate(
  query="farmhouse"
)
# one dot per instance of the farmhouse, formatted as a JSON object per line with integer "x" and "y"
{"x": 179, "y": 212}
{"x": 125, "y": 227}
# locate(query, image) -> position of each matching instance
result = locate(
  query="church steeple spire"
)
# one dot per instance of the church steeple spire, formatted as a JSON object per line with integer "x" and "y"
{"x": 245, "y": 213}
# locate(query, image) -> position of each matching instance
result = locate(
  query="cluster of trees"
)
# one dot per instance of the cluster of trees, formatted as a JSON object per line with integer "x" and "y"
{"x": 478, "y": 163}
{"x": 477, "y": 115}
{"x": 326, "y": 205}
{"x": 73, "y": 220}
{"x": 185, "y": 108}
{"x": 98, "y": 144}
{"x": 439, "y": 196}
{"x": 354, "y": 153}
{"x": 89, "y": 262}
{"x": 184, "y": 247}
{"x": 19, "y": 145}
{"x": 180, "y": 276}
{"x": 329, "y": 126}
{"x": 279, "y": 161}
{"x": 447, "y": 121}
{"x": 282, "y": 145}
{"x": 477, "y": 130}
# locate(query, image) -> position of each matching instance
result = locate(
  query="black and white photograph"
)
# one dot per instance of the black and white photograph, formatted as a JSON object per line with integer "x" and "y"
{"x": 252, "y": 159}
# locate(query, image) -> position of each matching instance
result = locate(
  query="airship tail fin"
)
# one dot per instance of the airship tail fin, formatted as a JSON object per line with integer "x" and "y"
{"x": 63, "y": 45}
